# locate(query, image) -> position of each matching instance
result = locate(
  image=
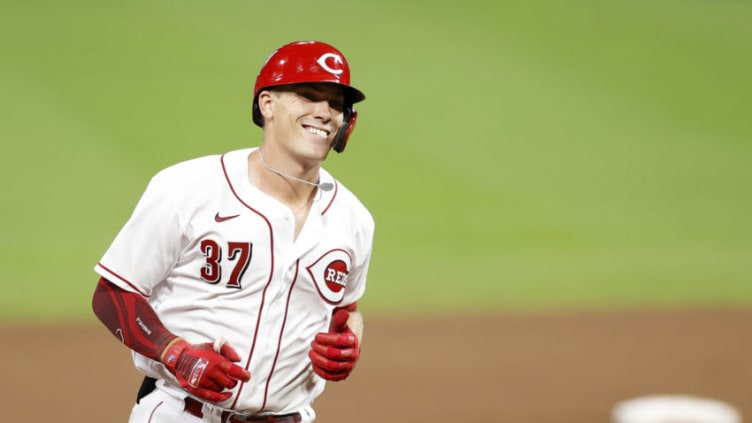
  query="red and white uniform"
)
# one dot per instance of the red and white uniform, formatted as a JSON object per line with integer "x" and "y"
{"x": 216, "y": 257}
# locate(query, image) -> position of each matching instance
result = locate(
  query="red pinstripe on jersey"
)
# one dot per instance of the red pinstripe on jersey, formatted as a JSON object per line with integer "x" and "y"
{"x": 331, "y": 200}
{"x": 268, "y": 282}
{"x": 281, "y": 332}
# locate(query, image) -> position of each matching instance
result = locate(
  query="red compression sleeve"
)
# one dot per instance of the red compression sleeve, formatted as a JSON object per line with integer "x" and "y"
{"x": 131, "y": 319}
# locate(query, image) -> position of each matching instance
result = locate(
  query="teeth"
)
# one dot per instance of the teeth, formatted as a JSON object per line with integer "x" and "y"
{"x": 316, "y": 131}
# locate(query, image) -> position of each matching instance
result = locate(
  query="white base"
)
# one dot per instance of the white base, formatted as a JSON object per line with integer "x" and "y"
{"x": 674, "y": 409}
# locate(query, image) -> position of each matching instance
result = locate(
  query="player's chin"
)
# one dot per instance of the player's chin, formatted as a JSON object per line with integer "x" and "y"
{"x": 319, "y": 148}
{"x": 320, "y": 142}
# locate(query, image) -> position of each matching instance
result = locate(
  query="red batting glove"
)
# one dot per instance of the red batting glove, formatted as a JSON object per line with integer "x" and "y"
{"x": 335, "y": 353}
{"x": 203, "y": 372}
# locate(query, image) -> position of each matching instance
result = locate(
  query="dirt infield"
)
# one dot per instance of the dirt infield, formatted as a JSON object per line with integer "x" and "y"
{"x": 507, "y": 368}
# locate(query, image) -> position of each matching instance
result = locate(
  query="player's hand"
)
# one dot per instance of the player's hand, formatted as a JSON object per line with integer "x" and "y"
{"x": 335, "y": 353}
{"x": 204, "y": 372}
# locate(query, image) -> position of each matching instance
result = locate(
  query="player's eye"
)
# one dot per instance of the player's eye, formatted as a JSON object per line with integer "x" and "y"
{"x": 308, "y": 95}
{"x": 337, "y": 104}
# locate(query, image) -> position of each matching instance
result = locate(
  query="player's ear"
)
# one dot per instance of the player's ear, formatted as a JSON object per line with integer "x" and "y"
{"x": 265, "y": 104}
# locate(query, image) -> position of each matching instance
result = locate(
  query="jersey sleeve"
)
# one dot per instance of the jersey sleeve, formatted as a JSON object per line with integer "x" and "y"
{"x": 149, "y": 243}
{"x": 358, "y": 275}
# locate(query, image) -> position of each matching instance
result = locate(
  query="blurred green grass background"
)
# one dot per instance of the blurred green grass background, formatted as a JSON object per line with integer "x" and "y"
{"x": 516, "y": 155}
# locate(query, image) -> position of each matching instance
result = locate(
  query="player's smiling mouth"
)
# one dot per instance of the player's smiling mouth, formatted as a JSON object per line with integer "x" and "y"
{"x": 316, "y": 131}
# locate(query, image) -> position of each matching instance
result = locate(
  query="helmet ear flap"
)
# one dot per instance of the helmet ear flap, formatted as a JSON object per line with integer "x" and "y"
{"x": 348, "y": 125}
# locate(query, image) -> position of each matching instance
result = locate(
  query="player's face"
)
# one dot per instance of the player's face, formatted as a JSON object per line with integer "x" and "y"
{"x": 306, "y": 118}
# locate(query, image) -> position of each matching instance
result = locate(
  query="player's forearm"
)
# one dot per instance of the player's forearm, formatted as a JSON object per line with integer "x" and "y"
{"x": 355, "y": 319}
{"x": 355, "y": 323}
{"x": 131, "y": 319}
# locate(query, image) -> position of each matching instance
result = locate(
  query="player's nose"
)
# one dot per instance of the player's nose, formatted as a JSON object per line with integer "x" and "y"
{"x": 322, "y": 110}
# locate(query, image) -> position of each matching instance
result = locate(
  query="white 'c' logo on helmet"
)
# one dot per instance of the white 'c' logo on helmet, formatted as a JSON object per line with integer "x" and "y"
{"x": 337, "y": 60}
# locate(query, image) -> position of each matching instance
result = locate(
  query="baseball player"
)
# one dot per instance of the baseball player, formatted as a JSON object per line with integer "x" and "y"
{"x": 235, "y": 281}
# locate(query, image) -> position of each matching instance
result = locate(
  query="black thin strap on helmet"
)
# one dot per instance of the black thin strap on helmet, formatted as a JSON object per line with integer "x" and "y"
{"x": 340, "y": 140}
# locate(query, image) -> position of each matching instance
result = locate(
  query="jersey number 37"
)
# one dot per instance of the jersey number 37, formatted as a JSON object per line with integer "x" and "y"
{"x": 239, "y": 253}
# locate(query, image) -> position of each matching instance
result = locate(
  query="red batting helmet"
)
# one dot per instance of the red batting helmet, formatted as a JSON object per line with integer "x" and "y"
{"x": 309, "y": 62}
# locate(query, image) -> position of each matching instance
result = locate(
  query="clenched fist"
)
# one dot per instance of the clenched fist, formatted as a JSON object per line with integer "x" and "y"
{"x": 335, "y": 353}
{"x": 202, "y": 371}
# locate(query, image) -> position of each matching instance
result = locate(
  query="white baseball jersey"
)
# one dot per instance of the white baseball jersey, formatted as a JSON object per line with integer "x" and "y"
{"x": 216, "y": 257}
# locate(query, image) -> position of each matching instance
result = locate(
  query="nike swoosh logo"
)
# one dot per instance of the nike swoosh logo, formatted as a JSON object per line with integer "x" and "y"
{"x": 218, "y": 218}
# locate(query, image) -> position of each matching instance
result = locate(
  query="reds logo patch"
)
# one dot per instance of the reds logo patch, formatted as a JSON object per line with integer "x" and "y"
{"x": 330, "y": 273}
